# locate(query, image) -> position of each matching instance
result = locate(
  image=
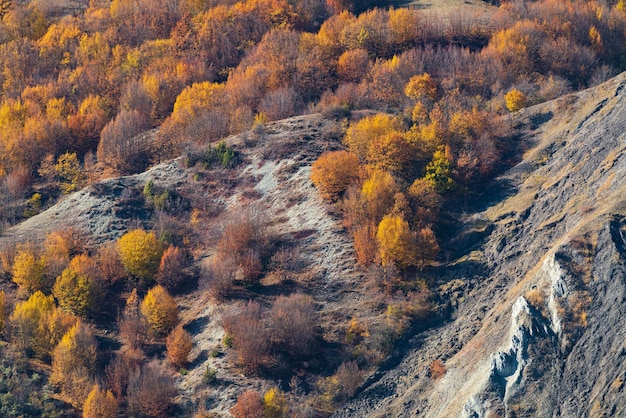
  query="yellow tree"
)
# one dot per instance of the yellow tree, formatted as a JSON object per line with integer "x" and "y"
{"x": 73, "y": 364}
{"x": 360, "y": 135}
{"x": 76, "y": 292}
{"x": 389, "y": 152}
{"x": 421, "y": 87}
{"x": 396, "y": 242}
{"x": 28, "y": 270}
{"x": 100, "y": 403}
{"x": 274, "y": 404}
{"x": 377, "y": 193}
{"x": 333, "y": 172}
{"x": 27, "y": 316}
{"x": 140, "y": 253}
{"x": 515, "y": 100}
{"x": 160, "y": 310}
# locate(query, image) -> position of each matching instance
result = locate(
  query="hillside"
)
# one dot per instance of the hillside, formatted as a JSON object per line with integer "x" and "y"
{"x": 539, "y": 332}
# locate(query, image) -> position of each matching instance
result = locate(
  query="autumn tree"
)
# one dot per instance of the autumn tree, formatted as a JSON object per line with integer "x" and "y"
{"x": 333, "y": 172}
{"x": 69, "y": 172}
{"x": 73, "y": 364}
{"x": 85, "y": 125}
{"x": 515, "y": 100}
{"x": 377, "y": 193}
{"x": 27, "y": 316}
{"x": 178, "y": 345}
{"x": 77, "y": 292}
{"x": 426, "y": 245}
{"x": 390, "y": 152}
{"x": 109, "y": 263}
{"x": 425, "y": 201}
{"x": 121, "y": 145}
{"x": 245, "y": 241}
{"x": 53, "y": 325}
{"x": 353, "y": 65}
{"x": 100, "y": 403}
{"x": 140, "y": 253}
{"x": 421, "y": 87}
{"x": 396, "y": 242}
{"x": 160, "y": 310}
{"x": 28, "y": 270}
{"x": 2, "y": 311}
{"x": 359, "y": 136}
{"x": 365, "y": 245}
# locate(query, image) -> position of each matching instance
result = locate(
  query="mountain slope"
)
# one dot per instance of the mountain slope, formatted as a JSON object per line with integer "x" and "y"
{"x": 540, "y": 331}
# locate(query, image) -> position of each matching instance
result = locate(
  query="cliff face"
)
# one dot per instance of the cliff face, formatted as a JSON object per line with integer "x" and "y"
{"x": 540, "y": 330}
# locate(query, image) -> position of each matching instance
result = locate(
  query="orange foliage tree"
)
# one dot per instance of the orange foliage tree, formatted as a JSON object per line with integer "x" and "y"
{"x": 178, "y": 345}
{"x": 333, "y": 172}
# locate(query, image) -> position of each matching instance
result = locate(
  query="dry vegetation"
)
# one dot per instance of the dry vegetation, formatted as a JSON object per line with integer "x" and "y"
{"x": 108, "y": 88}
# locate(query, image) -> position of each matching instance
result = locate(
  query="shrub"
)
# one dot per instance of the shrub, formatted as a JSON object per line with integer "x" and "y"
{"x": 293, "y": 320}
{"x": 151, "y": 391}
{"x": 219, "y": 155}
{"x": 178, "y": 345}
{"x": 250, "y": 337}
{"x": 249, "y": 405}
{"x": 342, "y": 385}
{"x": 437, "y": 369}
{"x": 275, "y": 404}
{"x": 220, "y": 276}
{"x": 100, "y": 403}
{"x": 170, "y": 274}
{"x": 160, "y": 310}
{"x": 333, "y": 172}
{"x": 209, "y": 376}
{"x": 140, "y": 253}
{"x": 132, "y": 325}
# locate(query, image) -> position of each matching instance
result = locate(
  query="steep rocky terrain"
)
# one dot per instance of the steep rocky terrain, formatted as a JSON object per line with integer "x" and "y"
{"x": 540, "y": 330}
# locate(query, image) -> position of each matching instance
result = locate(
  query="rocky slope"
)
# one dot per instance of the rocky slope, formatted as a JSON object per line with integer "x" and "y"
{"x": 540, "y": 330}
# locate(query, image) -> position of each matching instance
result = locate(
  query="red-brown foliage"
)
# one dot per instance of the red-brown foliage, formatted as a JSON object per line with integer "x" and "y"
{"x": 249, "y": 405}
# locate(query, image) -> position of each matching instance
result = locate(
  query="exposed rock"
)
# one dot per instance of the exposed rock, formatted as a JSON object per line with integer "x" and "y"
{"x": 558, "y": 237}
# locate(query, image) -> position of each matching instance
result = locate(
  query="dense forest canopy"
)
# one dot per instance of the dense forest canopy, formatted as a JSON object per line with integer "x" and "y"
{"x": 94, "y": 89}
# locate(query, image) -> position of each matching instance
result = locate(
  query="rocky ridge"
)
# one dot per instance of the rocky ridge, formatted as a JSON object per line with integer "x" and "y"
{"x": 539, "y": 331}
